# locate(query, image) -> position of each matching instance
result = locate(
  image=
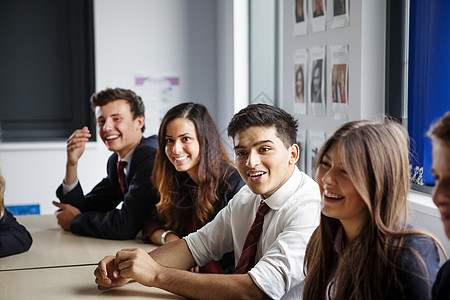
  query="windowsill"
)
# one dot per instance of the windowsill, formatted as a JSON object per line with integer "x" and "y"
{"x": 426, "y": 189}
{"x": 423, "y": 203}
{"x": 36, "y": 146}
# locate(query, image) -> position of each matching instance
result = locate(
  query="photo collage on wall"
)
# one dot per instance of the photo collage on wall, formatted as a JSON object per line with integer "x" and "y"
{"x": 311, "y": 15}
{"x": 320, "y": 74}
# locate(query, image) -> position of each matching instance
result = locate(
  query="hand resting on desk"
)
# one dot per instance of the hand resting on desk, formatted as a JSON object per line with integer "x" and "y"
{"x": 65, "y": 214}
{"x": 128, "y": 264}
{"x": 166, "y": 268}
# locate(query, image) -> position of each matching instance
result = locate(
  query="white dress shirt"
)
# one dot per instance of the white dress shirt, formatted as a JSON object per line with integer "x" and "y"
{"x": 294, "y": 214}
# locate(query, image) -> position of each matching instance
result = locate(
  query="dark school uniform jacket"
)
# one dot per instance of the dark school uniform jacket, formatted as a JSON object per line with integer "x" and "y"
{"x": 99, "y": 216}
{"x": 14, "y": 238}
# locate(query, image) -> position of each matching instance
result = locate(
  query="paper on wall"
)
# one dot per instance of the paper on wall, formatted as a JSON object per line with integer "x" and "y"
{"x": 159, "y": 93}
{"x": 315, "y": 141}
{"x": 299, "y": 81}
{"x": 316, "y": 86}
{"x": 338, "y": 82}
{"x": 318, "y": 15}
{"x": 300, "y": 17}
{"x": 340, "y": 14}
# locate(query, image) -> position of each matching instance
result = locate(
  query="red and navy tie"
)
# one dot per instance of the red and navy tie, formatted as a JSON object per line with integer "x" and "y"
{"x": 247, "y": 259}
{"x": 121, "y": 174}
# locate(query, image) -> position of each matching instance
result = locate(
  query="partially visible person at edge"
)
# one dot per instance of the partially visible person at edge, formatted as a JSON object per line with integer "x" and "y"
{"x": 14, "y": 238}
{"x": 364, "y": 247}
{"x": 440, "y": 135}
{"x": 120, "y": 117}
{"x": 272, "y": 217}
{"x": 194, "y": 176}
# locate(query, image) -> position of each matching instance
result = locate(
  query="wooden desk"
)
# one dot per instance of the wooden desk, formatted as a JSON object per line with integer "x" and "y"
{"x": 69, "y": 283}
{"x": 54, "y": 247}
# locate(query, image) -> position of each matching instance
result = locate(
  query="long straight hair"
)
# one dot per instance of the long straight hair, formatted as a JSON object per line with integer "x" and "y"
{"x": 212, "y": 165}
{"x": 375, "y": 156}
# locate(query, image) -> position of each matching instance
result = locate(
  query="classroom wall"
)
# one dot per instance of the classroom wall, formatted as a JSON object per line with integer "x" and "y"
{"x": 196, "y": 40}
{"x": 180, "y": 36}
{"x": 365, "y": 36}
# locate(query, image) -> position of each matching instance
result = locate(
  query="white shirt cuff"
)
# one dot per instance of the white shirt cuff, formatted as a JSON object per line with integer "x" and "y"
{"x": 67, "y": 188}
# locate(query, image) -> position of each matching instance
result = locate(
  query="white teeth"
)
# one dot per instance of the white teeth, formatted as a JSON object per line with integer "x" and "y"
{"x": 181, "y": 158}
{"x": 256, "y": 174}
{"x": 111, "y": 137}
{"x": 332, "y": 195}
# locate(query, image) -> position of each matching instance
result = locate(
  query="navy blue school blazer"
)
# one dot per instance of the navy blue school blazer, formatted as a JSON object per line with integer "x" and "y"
{"x": 99, "y": 216}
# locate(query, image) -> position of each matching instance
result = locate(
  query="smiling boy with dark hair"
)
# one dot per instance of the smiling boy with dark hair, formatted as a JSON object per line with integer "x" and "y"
{"x": 120, "y": 117}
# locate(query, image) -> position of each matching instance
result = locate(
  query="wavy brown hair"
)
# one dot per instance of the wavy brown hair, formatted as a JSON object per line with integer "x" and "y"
{"x": 212, "y": 166}
{"x": 375, "y": 157}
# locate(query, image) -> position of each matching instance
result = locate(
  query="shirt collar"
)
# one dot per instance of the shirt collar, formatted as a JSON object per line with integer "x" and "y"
{"x": 127, "y": 159}
{"x": 285, "y": 192}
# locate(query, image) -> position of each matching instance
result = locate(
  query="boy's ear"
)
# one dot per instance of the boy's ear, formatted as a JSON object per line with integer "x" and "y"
{"x": 295, "y": 154}
{"x": 141, "y": 121}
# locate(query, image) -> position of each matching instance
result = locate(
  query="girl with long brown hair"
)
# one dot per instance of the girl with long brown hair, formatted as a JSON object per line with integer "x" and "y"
{"x": 364, "y": 247}
{"x": 193, "y": 175}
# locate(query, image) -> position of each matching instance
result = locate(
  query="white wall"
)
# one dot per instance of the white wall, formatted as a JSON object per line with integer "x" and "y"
{"x": 366, "y": 39}
{"x": 180, "y": 36}
{"x": 158, "y": 37}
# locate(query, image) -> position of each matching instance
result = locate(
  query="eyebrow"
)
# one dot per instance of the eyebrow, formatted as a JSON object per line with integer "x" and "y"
{"x": 183, "y": 134}
{"x": 113, "y": 115}
{"x": 255, "y": 144}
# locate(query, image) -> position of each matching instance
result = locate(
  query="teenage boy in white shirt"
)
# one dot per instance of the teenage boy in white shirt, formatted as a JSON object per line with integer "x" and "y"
{"x": 266, "y": 153}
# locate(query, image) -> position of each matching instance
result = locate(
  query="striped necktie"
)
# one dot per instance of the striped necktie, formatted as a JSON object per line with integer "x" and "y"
{"x": 247, "y": 259}
{"x": 121, "y": 165}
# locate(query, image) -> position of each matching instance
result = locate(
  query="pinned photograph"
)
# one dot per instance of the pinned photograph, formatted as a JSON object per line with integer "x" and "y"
{"x": 340, "y": 14}
{"x": 338, "y": 82}
{"x": 317, "y": 13}
{"x": 316, "y": 82}
{"x": 317, "y": 100}
{"x": 300, "y": 24}
{"x": 315, "y": 141}
{"x": 299, "y": 82}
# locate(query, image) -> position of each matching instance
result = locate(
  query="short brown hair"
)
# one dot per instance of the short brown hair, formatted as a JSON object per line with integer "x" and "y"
{"x": 265, "y": 115}
{"x": 108, "y": 95}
